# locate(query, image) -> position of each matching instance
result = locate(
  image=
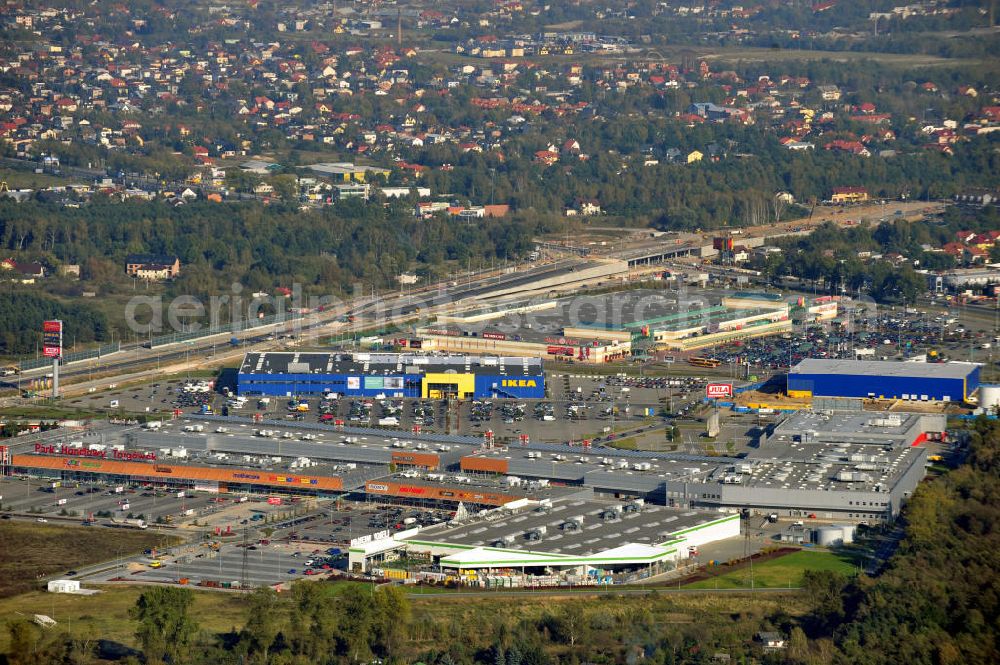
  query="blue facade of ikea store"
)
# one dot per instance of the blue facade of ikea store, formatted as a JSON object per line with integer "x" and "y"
{"x": 948, "y": 382}
{"x": 288, "y": 385}
{"x": 425, "y": 376}
{"x": 487, "y": 386}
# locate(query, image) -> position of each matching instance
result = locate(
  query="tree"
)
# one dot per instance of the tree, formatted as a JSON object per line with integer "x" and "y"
{"x": 825, "y": 589}
{"x": 165, "y": 629}
{"x": 570, "y": 625}
{"x": 23, "y": 643}
{"x": 261, "y": 627}
{"x": 393, "y": 612}
{"x": 798, "y": 646}
{"x": 314, "y": 622}
{"x": 285, "y": 186}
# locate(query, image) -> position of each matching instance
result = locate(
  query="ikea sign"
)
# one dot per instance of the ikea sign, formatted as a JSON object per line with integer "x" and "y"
{"x": 519, "y": 383}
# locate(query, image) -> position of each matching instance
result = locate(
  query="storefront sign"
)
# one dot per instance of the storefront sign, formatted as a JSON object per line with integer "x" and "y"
{"x": 74, "y": 451}
{"x": 441, "y": 331}
{"x": 716, "y": 390}
{"x": 361, "y": 540}
{"x": 519, "y": 383}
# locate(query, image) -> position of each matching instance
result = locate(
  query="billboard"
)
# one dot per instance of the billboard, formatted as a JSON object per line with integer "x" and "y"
{"x": 354, "y": 383}
{"x": 393, "y": 383}
{"x": 52, "y": 337}
{"x": 715, "y": 390}
{"x": 374, "y": 383}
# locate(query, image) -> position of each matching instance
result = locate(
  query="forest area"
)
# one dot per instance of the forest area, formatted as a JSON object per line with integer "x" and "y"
{"x": 22, "y": 315}
{"x": 935, "y": 604}
{"x": 326, "y": 251}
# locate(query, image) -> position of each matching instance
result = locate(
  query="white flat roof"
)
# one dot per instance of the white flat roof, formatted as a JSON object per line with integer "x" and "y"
{"x": 874, "y": 368}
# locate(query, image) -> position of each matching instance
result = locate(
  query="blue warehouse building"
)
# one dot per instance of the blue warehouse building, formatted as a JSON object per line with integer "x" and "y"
{"x": 939, "y": 382}
{"x": 293, "y": 374}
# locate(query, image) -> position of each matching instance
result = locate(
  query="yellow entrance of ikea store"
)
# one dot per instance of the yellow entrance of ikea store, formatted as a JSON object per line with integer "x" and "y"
{"x": 444, "y": 385}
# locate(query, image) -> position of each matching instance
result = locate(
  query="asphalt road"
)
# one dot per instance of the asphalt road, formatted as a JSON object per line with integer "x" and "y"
{"x": 887, "y": 546}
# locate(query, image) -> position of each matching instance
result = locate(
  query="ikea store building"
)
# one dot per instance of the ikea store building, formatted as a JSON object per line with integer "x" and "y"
{"x": 391, "y": 375}
{"x": 881, "y": 379}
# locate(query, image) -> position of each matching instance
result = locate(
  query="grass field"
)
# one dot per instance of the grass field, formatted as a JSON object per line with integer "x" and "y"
{"x": 623, "y": 444}
{"x": 786, "y": 571}
{"x": 24, "y": 179}
{"x": 106, "y": 614}
{"x": 45, "y": 412}
{"x": 31, "y": 552}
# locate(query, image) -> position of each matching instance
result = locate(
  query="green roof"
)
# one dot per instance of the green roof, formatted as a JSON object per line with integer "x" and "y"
{"x": 750, "y": 295}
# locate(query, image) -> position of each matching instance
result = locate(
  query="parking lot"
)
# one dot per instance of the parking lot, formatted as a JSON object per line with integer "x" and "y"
{"x": 312, "y": 544}
{"x": 160, "y": 397}
{"x": 102, "y": 501}
{"x": 580, "y": 407}
{"x": 216, "y": 564}
{"x": 884, "y": 335}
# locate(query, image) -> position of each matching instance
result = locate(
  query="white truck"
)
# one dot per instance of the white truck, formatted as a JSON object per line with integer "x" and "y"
{"x": 129, "y": 522}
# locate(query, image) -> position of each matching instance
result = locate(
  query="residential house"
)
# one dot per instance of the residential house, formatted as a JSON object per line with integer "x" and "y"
{"x": 853, "y": 147}
{"x": 547, "y": 157}
{"x": 25, "y": 273}
{"x": 156, "y": 267}
{"x": 849, "y": 195}
{"x": 771, "y": 640}
{"x": 829, "y": 93}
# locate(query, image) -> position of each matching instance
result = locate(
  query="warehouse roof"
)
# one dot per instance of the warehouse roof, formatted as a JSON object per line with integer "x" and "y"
{"x": 660, "y": 309}
{"x": 597, "y": 527}
{"x": 386, "y": 364}
{"x": 329, "y": 446}
{"x": 862, "y": 425}
{"x": 826, "y": 466}
{"x": 537, "y": 334}
{"x": 462, "y": 482}
{"x": 876, "y": 368}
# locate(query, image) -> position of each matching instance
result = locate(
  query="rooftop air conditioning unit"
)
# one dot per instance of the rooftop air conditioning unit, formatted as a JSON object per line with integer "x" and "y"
{"x": 535, "y": 534}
